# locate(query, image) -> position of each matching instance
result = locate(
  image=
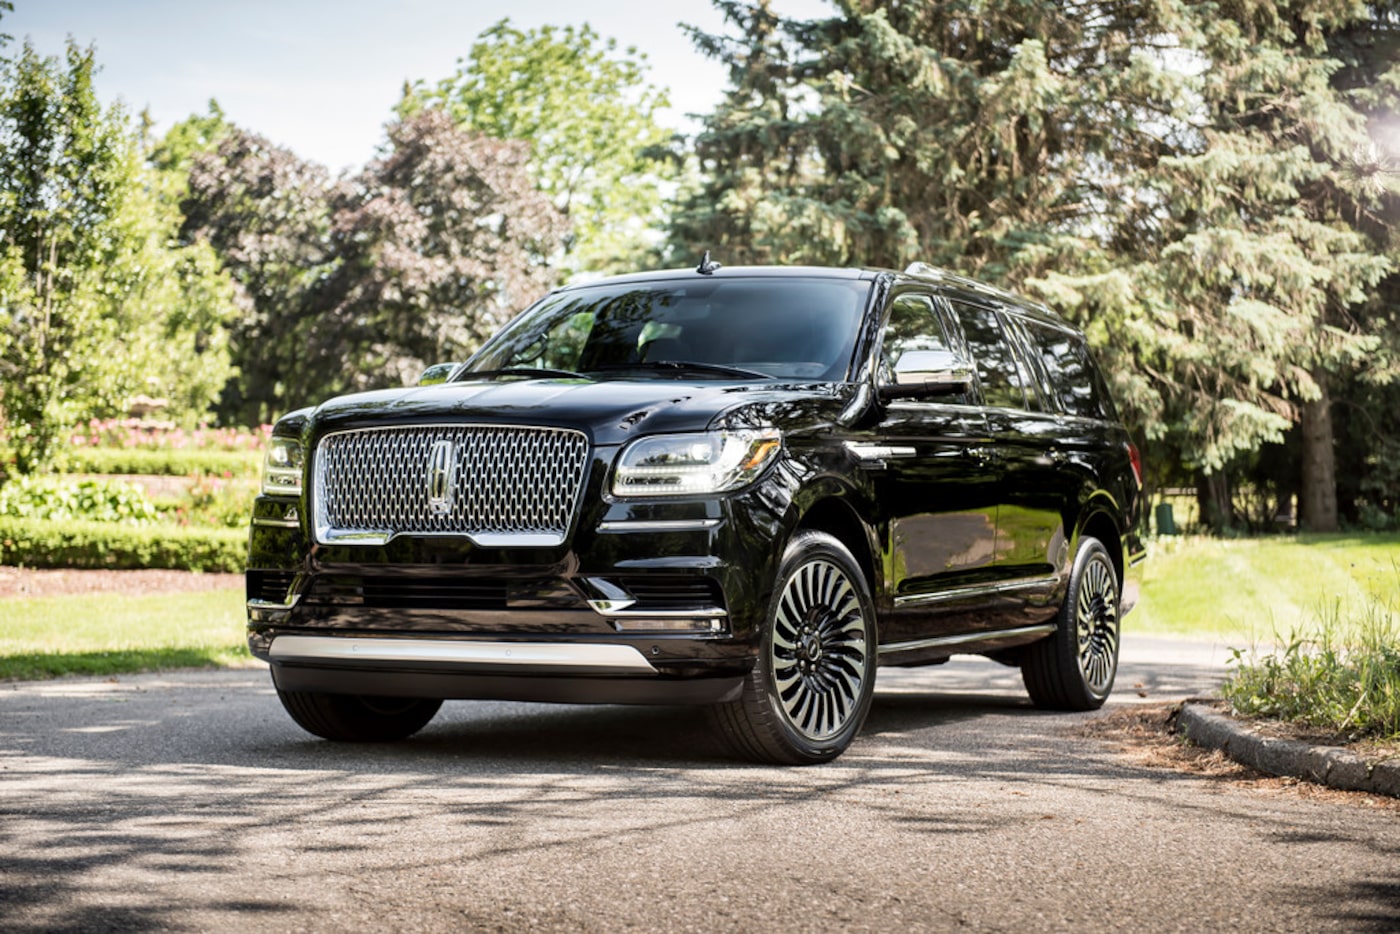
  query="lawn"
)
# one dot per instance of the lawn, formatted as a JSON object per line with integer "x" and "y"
{"x": 101, "y": 634}
{"x": 1241, "y": 592}
{"x": 1244, "y": 591}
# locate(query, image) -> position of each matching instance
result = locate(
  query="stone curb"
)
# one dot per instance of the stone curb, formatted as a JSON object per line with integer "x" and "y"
{"x": 1326, "y": 765}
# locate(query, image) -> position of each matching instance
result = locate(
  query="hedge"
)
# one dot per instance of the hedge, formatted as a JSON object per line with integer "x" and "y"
{"x": 49, "y": 543}
{"x": 175, "y": 462}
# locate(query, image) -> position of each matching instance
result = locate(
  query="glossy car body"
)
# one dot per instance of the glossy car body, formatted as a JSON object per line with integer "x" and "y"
{"x": 961, "y": 487}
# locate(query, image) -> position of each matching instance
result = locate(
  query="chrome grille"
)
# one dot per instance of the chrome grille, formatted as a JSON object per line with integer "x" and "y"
{"x": 498, "y": 485}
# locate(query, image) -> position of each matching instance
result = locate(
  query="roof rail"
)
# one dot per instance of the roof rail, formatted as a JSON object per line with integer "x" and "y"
{"x": 925, "y": 271}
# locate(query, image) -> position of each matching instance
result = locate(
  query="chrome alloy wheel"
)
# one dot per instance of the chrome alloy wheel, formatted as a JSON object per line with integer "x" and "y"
{"x": 1096, "y": 622}
{"x": 819, "y": 657}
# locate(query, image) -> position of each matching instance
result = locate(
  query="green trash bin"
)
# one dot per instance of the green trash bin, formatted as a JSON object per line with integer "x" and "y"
{"x": 1166, "y": 522}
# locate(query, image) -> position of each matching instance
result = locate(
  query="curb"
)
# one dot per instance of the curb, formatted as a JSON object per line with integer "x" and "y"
{"x": 1332, "y": 766}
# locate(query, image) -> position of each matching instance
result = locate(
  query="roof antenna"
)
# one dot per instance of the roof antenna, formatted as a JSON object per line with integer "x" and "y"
{"x": 706, "y": 267}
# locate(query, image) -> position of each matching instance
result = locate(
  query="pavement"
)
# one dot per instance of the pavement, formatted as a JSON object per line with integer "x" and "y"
{"x": 189, "y": 801}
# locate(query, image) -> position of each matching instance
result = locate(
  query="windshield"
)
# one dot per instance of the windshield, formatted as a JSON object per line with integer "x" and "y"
{"x": 784, "y": 328}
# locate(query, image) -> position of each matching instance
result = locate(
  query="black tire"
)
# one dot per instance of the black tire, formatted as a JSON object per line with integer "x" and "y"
{"x": 354, "y": 718}
{"x": 810, "y": 690}
{"x": 1074, "y": 669}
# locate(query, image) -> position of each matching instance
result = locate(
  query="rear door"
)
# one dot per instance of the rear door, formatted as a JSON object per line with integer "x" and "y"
{"x": 1026, "y": 436}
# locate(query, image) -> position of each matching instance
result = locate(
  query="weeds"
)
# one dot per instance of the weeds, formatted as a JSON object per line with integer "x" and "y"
{"x": 1342, "y": 676}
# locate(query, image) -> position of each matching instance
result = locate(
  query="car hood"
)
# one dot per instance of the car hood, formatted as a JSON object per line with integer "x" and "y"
{"x": 610, "y": 411}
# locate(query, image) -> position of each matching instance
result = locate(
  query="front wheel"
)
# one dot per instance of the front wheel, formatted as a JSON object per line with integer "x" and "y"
{"x": 807, "y": 696}
{"x": 1074, "y": 668}
{"x": 355, "y": 718}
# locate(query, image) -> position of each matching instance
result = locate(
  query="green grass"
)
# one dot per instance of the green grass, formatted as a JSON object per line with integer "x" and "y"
{"x": 104, "y": 634}
{"x": 1342, "y": 676}
{"x": 1253, "y": 591}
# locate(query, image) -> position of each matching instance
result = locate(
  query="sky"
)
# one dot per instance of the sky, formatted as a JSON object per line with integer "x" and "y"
{"x": 321, "y": 77}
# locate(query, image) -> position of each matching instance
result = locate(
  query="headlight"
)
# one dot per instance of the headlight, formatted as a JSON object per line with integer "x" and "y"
{"x": 282, "y": 467}
{"x": 681, "y": 465}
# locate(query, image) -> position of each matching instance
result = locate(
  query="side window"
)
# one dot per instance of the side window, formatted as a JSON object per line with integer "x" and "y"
{"x": 996, "y": 364}
{"x": 914, "y": 325}
{"x": 1073, "y": 376}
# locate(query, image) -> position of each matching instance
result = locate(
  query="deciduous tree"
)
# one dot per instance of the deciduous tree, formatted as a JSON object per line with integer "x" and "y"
{"x": 591, "y": 119}
{"x": 97, "y": 304}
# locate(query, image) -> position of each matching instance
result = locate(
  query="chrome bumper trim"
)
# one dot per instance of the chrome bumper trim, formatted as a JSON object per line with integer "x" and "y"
{"x": 560, "y": 655}
{"x": 618, "y": 609}
{"x": 278, "y": 523}
{"x": 657, "y": 525}
{"x": 965, "y": 638}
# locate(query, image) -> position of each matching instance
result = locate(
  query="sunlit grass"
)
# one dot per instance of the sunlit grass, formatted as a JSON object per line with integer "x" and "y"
{"x": 1245, "y": 591}
{"x": 1341, "y": 674}
{"x": 100, "y": 634}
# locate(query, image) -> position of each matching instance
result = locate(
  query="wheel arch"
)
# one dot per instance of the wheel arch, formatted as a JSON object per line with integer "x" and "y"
{"x": 1099, "y": 523}
{"x": 834, "y": 515}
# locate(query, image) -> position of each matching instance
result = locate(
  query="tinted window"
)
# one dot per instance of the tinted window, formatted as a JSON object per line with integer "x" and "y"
{"x": 1074, "y": 378}
{"x": 996, "y": 364}
{"x": 913, "y": 325}
{"x": 783, "y": 327}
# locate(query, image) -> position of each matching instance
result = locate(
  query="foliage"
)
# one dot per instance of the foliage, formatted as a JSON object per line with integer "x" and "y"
{"x": 166, "y": 462}
{"x": 1343, "y": 675}
{"x": 151, "y": 434}
{"x": 589, "y": 116}
{"x": 267, "y": 215}
{"x": 360, "y": 284}
{"x": 1203, "y": 186}
{"x": 987, "y": 137}
{"x": 97, "y": 500}
{"x": 48, "y": 543}
{"x": 104, "y": 634}
{"x": 96, "y": 306}
{"x": 438, "y": 243}
{"x": 216, "y": 500}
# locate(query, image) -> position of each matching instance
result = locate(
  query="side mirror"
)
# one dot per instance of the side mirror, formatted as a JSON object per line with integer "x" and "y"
{"x": 920, "y": 373}
{"x": 437, "y": 373}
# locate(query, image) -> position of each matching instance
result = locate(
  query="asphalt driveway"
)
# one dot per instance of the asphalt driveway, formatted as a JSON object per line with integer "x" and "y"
{"x": 190, "y": 801}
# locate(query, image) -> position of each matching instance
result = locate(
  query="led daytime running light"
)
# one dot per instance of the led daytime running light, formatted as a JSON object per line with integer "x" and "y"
{"x": 694, "y": 464}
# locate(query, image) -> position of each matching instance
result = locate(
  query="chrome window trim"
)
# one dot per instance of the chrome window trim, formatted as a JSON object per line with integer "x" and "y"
{"x": 561, "y": 655}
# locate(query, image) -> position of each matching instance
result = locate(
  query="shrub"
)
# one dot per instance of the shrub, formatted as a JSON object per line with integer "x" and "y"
{"x": 170, "y": 462}
{"x": 222, "y": 501}
{"x": 152, "y": 434}
{"x": 48, "y": 543}
{"x": 99, "y": 500}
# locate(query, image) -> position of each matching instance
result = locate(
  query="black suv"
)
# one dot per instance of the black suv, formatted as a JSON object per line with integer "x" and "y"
{"x": 740, "y": 487}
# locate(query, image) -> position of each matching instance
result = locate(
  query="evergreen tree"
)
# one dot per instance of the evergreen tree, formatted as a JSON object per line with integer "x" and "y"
{"x": 1192, "y": 182}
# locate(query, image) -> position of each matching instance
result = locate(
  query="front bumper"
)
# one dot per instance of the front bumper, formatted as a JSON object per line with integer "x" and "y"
{"x": 656, "y": 602}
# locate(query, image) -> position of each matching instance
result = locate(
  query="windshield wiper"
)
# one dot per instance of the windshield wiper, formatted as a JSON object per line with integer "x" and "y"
{"x": 692, "y": 366}
{"x": 527, "y": 371}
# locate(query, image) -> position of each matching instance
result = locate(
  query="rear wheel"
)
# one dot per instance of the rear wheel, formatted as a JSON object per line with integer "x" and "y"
{"x": 809, "y": 692}
{"x": 356, "y": 718}
{"x": 1074, "y": 669}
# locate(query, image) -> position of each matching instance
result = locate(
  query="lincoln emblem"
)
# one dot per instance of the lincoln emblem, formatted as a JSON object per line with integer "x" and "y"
{"x": 442, "y": 477}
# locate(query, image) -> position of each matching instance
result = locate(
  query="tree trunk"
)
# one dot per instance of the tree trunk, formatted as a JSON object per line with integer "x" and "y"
{"x": 1317, "y": 501}
{"x": 1217, "y": 512}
